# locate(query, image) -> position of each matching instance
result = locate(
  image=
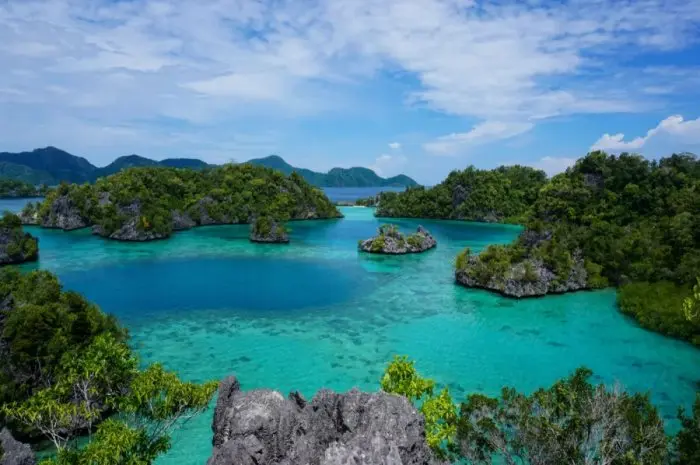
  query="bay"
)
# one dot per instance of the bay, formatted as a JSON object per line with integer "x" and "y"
{"x": 316, "y": 313}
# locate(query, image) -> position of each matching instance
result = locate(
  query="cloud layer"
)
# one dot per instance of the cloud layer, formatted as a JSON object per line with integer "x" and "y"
{"x": 159, "y": 74}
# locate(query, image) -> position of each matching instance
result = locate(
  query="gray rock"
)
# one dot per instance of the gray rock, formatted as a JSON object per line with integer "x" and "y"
{"x": 182, "y": 221}
{"x": 275, "y": 233}
{"x": 261, "y": 427}
{"x": 131, "y": 230}
{"x": 529, "y": 277}
{"x": 64, "y": 214}
{"x": 391, "y": 241}
{"x": 13, "y": 452}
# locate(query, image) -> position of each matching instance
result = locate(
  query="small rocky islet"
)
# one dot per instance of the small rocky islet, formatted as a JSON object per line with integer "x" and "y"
{"x": 391, "y": 241}
{"x": 16, "y": 246}
{"x": 265, "y": 230}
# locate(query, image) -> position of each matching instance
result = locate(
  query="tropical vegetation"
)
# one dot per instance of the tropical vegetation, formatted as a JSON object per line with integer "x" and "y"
{"x": 571, "y": 422}
{"x": 66, "y": 372}
{"x": 150, "y": 199}
{"x": 13, "y": 189}
{"x": 16, "y": 246}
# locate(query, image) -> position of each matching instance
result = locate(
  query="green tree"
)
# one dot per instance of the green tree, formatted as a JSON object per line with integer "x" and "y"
{"x": 691, "y": 305}
{"x": 687, "y": 441}
{"x": 401, "y": 377}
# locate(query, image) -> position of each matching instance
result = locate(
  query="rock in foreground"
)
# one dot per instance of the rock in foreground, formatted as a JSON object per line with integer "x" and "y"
{"x": 261, "y": 427}
{"x": 267, "y": 231}
{"x": 13, "y": 452}
{"x": 391, "y": 241}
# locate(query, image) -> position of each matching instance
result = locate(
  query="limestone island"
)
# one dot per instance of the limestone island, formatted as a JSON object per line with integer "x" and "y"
{"x": 145, "y": 204}
{"x": 519, "y": 270}
{"x": 267, "y": 231}
{"x": 391, "y": 241}
{"x": 16, "y": 246}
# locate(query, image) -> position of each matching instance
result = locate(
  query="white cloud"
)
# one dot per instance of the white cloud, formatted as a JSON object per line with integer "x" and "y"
{"x": 674, "y": 128}
{"x": 482, "y": 133}
{"x": 554, "y": 165}
{"x": 394, "y": 145}
{"x": 388, "y": 165}
{"x": 213, "y": 61}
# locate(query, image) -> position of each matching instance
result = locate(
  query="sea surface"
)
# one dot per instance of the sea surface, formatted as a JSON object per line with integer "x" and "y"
{"x": 316, "y": 313}
{"x": 347, "y": 194}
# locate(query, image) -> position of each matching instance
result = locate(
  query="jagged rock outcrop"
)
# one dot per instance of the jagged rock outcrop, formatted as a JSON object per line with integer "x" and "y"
{"x": 261, "y": 427}
{"x": 182, "y": 221}
{"x": 64, "y": 214}
{"x": 132, "y": 230}
{"x": 391, "y": 241}
{"x": 13, "y": 452}
{"x": 266, "y": 231}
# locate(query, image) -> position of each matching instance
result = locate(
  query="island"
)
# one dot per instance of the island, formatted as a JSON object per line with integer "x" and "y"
{"x": 150, "y": 203}
{"x": 15, "y": 189}
{"x": 392, "y": 242}
{"x": 622, "y": 221}
{"x": 16, "y": 246}
{"x": 268, "y": 231}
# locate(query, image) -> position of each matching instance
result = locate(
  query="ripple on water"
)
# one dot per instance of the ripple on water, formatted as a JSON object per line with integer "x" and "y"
{"x": 315, "y": 314}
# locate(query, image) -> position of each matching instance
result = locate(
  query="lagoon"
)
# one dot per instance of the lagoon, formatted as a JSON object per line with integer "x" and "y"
{"x": 316, "y": 313}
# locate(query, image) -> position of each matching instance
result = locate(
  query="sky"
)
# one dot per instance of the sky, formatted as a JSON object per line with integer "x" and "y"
{"x": 419, "y": 87}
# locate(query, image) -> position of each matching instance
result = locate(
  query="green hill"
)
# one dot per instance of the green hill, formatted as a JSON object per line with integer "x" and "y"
{"x": 337, "y": 177}
{"x": 59, "y": 165}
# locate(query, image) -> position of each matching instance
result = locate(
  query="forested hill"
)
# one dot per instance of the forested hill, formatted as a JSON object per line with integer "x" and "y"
{"x": 337, "y": 177}
{"x": 51, "y": 166}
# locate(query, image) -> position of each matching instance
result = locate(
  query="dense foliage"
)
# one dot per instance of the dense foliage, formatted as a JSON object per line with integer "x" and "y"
{"x": 16, "y": 246}
{"x": 11, "y": 188}
{"x": 659, "y": 307}
{"x": 571, "y": 422}
{"x": 337, "y": 177}
{"x": 65, "y": 366}
{"x": 147, "y": 199}
{"x": 40, "y": 325}
{"x": 501, "y": 195}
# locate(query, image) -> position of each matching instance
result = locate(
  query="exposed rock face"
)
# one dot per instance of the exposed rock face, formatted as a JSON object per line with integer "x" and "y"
{"x": 182, "y": 221}
{"x": 132, "y": 230}
{"x": 391, "y": 241}
{"x": 530, "y": 277}
{"x": 12, "y": 246}
{"x": 13, "y": 452}
{"x": 268, "y": 232}
{"x": 30, "y": 218}
{"x": 64, "y": 214}
{"x": 261, "y": 427}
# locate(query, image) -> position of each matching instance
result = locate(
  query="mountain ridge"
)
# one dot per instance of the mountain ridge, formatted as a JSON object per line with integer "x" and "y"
{"x": 51, "y": 165}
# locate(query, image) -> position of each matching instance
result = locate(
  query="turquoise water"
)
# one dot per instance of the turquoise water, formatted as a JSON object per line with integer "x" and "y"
{"x": 316, "y": 313}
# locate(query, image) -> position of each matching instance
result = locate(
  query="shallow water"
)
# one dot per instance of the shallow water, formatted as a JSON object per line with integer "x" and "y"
{"x": 316, "y": 313}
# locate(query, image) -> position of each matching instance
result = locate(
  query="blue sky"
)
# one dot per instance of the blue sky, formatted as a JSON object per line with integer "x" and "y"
{"x": 414, "y": 86}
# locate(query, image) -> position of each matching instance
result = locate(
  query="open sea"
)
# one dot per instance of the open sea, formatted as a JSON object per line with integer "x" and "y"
{"x": 316, "y": 313}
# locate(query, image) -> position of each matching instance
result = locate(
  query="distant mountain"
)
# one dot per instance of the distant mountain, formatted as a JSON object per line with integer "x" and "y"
{"x": 51, "y": 166}
{"x": 337, "y": 177}
{"x": 59, "y": 165}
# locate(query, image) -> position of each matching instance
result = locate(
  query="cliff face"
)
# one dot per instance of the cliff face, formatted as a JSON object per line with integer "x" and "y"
{"x": 64, "y": 214}
{"x": 262, "y": 427}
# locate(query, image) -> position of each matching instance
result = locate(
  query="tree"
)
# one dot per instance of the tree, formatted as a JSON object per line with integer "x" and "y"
{"x": 401, "y": 377}
{"x": 573, "y": 422}
{"x": 691, "y": 305}
{"x": 687, "y": 442}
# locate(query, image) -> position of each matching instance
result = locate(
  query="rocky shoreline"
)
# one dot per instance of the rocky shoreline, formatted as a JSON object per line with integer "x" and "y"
{"x": 64, "y": 214}
{"x": 13, "y": 452}
{"x": 266, "y": 231}
{"x": 262, "y": 427}
{"x": 392, "y": 242}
